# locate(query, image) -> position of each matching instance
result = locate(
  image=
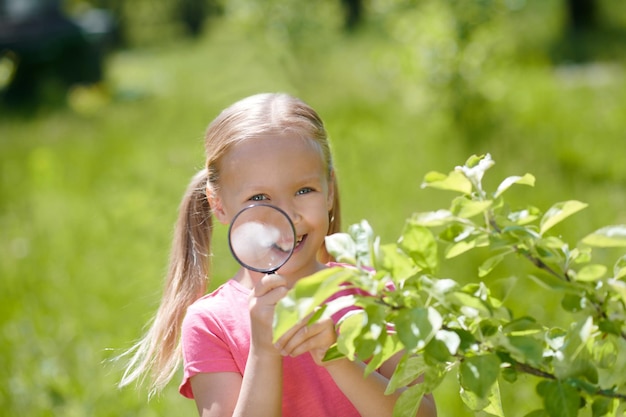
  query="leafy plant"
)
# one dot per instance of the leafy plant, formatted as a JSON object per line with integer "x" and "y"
{"x": 443, "y": 325}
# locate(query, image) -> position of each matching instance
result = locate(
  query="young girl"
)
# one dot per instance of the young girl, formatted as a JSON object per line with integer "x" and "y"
{"x": 269, "y": 148}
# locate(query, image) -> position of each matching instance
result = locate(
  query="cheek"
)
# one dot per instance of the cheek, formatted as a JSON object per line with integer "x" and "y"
{"x": 322, "y": 217}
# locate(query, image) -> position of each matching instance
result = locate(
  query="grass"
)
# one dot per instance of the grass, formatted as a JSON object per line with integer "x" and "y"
{"x": 88, "y": 196}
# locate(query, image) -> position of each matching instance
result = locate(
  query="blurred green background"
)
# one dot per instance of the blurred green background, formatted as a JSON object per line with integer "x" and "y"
{"x": 91, "y": 177}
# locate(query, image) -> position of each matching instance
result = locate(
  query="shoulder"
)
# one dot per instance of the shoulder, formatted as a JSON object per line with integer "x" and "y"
{"x": 226, "y": 294}
{"x": 227, "y": 299}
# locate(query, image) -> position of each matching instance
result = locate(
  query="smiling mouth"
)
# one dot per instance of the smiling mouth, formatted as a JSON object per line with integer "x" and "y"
{"x": 280, "y": 248}
{"x": 288, "y": 248}
{"x": 299, "y": 241}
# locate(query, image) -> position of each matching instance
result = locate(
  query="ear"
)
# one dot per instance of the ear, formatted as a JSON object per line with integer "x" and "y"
{"x": 330, "y": 198}
{"x": 217, "y": 208}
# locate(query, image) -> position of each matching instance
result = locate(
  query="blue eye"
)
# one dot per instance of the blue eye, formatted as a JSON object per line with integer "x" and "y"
{"x": 305, "y": 190}
{"x": 258, "y": 197}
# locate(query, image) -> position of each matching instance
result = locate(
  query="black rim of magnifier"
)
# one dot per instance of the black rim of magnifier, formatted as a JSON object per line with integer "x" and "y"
{"x": 245, "y": 265}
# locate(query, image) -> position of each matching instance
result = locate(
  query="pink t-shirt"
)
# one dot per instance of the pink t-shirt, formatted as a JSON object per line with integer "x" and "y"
{"x": 216, "y": 338}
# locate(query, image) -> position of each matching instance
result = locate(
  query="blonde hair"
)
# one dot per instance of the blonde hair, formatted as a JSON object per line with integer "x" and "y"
{"x": 157, "y": 355}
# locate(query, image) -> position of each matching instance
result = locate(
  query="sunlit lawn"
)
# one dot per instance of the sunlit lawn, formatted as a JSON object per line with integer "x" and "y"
{"x": 88, "y": 198}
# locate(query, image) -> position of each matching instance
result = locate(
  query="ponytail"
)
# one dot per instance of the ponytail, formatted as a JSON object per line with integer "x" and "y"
{"x": 157, "y": 355}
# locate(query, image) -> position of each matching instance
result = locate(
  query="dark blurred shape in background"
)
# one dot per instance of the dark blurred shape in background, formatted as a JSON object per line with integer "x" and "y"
{"x": 582, "y": 14}
{"x": 193, "y": 14}
{"x": 43, "y": 49}
{"x": 353, "y": 13}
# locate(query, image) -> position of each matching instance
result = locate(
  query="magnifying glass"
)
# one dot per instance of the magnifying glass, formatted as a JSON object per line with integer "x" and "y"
{"x": 262, "y": 238}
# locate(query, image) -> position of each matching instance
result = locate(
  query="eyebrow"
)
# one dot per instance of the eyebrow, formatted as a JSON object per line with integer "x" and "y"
{"x": 259, "y": 187}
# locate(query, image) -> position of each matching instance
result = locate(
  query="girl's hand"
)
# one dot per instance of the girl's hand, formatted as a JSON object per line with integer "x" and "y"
{"x": 314, "y": 338}
{"x": 265, "y": 294}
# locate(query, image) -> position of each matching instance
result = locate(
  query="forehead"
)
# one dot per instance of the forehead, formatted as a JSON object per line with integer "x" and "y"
{"x": 273, "y": 153}
{"x": 253, "y": 151}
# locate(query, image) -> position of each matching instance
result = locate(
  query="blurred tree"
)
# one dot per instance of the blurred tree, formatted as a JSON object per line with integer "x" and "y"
{"x": 51, "y": 51}
{"x": 116, "y": 8}
{"x": 353, "y": 13}
{"x": 582, "y": 15}
{"x": 193, "y": 14}
{"x": 446, "y": 55}
{"x": 579, "y": 31}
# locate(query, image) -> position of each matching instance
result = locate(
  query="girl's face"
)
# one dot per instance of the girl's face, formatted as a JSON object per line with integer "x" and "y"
{"x": 286, "y": 172}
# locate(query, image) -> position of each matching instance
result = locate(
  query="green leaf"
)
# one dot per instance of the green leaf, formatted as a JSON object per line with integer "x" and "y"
{"x": 320, "y": 312}
{"x": 607, "y": 237}
{"x": 583, "y": 367}
{"x": 460, "y": 248}
{"x": 491, "y": 405}
{"x": 466, "y": 337}
{"x": 417, "y": 326}
{"x": 537, "y": 413}
{"x": 489, "y": 327}
{"x": 455, "y": 231}
{"x": 467, "y": 208}
{"x": 349, "y": 329}
{"x": 478, "y": 374}
{"x": 363, "y": 236}
{"x": 342, "y": 247}
{"x": 525, "y": 216}
{"x": 558, "y": 213}
{"x": 553, "y": 242}
{"x": 509, "y": 374}
{"x": 465, "y": 242}
{"x": 420, "y": 244}
{"x": 522, "y": 326}
{"x": 488, "y": 266}
{"x": 436, "y": 352}
{"x": 332, "y": 353}
{"x": 572, "y": 303}
{"x": 469, "y": 304}
{"x": 390, "y": 258}
{"x": 555, "y": 338}
{"x": 619, "y": 287}
{"x": 389, "y": 347}
{"x": 409, "y": 368}
{"x": 409, "y": 401}
{"x": 306, "y": 295}
{"x": 619, "y": 269}
{"x": 475, "y": 160}
{"x": 434, "y": 218}
{"x": 604, "y": 407}
{"x": 610, "y": 326}
{"x": 515, "y": 234}
{"x": 580, "y": 255}
{"x": 559, "y": 399}
{"x": 454, "y": 181}
{"x": 451, "y": 340}
{"x": 591, "y": 273}
{"x": 551, "y": 282}
{"x": 527, "y": 179}
{"x": 526, "y": 349}
{"x": 444, "y": 344}
{"x": 475, "y": 168}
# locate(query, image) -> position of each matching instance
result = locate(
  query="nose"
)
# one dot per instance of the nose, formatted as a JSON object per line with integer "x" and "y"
{"x": 292, "y": 211}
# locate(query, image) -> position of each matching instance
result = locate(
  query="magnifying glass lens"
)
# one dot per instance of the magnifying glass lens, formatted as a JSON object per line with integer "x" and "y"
{"x": 262, "y": 238}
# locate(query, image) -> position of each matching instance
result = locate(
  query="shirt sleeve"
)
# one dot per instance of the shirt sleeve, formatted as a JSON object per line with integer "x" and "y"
{"x": 204, "y": 347}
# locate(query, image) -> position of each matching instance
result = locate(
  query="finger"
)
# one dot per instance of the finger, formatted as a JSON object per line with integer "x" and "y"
{"x": 319, "y": 335}
{"x": 268, "y": 283}
{"x": 293, "y": 330}
{"x": 269, "y": 299}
